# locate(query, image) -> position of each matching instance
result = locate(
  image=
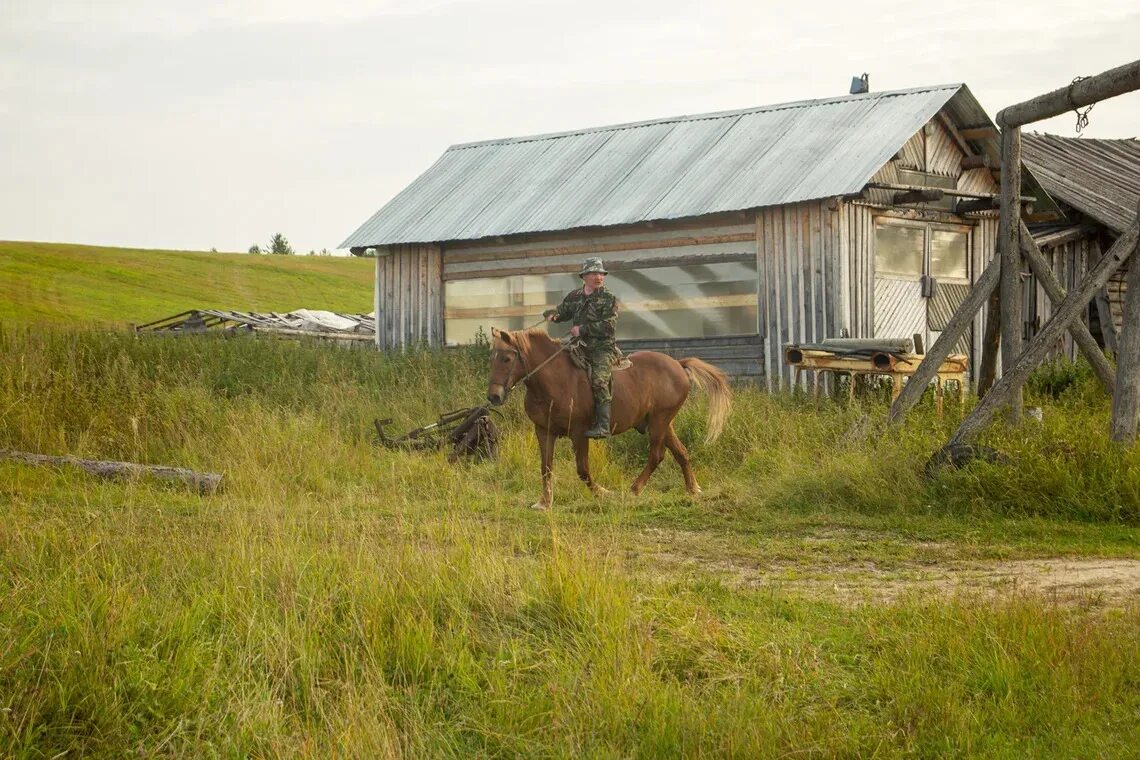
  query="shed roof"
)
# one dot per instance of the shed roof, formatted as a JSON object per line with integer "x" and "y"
{"x": 663, "y": 169}
{"x": 1099, "y": 178}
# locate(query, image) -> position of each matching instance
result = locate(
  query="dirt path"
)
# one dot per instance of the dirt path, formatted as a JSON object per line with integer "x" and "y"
{"x": 1076, "y": 580}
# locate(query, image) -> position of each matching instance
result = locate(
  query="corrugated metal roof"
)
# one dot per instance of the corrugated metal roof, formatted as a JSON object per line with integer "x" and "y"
{"x": 1100, "y": 178}
{"x": 663, "y": 169}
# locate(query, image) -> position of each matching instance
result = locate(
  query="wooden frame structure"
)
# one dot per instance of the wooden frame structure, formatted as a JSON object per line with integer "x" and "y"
{"x": 1002, "y": 276}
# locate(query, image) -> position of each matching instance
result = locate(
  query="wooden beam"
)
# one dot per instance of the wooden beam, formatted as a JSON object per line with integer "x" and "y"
{"x": 1126, "y": 400}
{"x": 961, "y": 319}
{"x": 1079, "y": 330}
{"x": 968, "y": 205}
{"x": 1107, "y": 322}
{"x": 952, "y": 192}
{"x": 917, "y": 196}
{"x": 985, "y": 132}
{"x": 991, "y": 343}
{"x": 1105, "y": 85}
{"x": 1009, "y": 249}
{"x": 1014, "y": 377}
{"x": 613, "y": 266}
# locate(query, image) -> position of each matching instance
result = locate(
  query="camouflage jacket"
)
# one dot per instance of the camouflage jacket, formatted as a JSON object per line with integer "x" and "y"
{"x": 594, "y": 314}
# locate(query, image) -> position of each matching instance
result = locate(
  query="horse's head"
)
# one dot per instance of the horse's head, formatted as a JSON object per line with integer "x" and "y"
{"x": 507, "y": 365}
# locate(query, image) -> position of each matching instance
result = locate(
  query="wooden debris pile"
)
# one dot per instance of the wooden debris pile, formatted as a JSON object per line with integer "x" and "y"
{"x": 470, "y": 433}
{"x": 299, "y": 323}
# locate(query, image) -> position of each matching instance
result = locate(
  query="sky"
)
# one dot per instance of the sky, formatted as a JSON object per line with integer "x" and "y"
{"x": 198, "y": 124}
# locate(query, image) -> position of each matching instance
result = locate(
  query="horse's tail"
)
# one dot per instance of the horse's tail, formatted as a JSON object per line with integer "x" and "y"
{"x": 714, "y": 382}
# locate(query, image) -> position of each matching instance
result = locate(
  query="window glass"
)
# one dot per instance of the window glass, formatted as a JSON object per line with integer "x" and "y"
{"x": 691, "y": 301}
{"x": 926, "y": 179}
{"x": 948, "y": 254}
{"x": 898, "y": 249}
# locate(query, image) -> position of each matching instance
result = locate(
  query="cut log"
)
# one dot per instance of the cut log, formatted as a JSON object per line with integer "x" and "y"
{"x": 980, "y": 133}
{"x": 976, "y": 204}
{"x": 917, "y": 196}
{"x": 203, "y": 482}
{"x": 899, "y": 345}
{"x": 1079, "y": 330}
{"x": 1014, "y": 377}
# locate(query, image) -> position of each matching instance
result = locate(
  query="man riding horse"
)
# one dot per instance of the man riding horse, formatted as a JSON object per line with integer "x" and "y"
{"x": 593, "y": 310}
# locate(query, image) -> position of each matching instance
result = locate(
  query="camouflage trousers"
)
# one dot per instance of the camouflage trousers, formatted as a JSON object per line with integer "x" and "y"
{"x": 600, "y": 359}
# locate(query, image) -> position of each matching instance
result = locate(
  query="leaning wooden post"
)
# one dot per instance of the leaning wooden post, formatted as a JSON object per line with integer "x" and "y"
{"x": 937, "y": 353}
{"x": 1015, "y": 376}
{"x": 991, "y": 341}
{"x": 1009, "y": 249}
{"x": 1080, "y": 331}
{"x": 1126, "y": 400}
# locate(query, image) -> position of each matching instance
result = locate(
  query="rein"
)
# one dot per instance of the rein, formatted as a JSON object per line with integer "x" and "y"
{"x": 546, "y": 361}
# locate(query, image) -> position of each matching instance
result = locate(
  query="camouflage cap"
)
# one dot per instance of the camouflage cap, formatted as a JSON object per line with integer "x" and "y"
{"x": 592, "y": 264}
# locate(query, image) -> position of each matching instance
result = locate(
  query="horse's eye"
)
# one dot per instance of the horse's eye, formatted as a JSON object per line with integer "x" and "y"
{"x": 504, "y": 359}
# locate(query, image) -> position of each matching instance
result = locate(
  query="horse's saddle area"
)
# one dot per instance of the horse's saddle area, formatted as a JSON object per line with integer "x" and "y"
{"x": 577, "y": 351}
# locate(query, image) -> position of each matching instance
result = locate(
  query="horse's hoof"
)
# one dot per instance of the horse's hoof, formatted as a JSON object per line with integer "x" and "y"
{"x": 600, "y": 492}
{"x": 696, "y": 491}
{"x": 539, "y": 506}
{"x": 635, "y": 490}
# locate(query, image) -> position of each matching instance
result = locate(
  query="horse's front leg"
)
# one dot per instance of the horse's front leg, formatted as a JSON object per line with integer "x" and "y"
{"x": 546, "y": 448}
{"x": 582, "y": 458}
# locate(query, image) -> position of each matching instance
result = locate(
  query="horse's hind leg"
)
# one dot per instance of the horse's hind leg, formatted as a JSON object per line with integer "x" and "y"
{"x": 582, "y": 457}
{"x": 658, "y": 429}
{"x": 681, "y": 454}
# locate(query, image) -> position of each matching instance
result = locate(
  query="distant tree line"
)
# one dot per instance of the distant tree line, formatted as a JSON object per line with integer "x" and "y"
{"x": 279, "y": 246}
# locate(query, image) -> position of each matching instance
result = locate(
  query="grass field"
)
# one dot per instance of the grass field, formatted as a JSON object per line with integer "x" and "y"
{"x": 86, "y": 285}
{"x": 821, "y": 599}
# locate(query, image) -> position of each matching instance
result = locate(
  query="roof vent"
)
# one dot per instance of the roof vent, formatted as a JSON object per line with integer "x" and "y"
{"x": 860, "y": 85}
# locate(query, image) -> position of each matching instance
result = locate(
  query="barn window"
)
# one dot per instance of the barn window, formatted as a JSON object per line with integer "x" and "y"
{"x": 927, "y": 179}
{"x": 690, "y": 301}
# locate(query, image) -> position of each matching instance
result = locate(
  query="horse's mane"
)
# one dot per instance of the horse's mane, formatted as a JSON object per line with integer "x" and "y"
{"x": 525, "y": 338}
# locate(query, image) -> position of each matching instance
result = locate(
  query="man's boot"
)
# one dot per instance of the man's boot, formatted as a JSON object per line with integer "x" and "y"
{"x": 601, "y": 428}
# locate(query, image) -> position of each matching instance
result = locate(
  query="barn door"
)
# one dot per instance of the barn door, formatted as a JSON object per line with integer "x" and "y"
{"x": 921, "y": 278}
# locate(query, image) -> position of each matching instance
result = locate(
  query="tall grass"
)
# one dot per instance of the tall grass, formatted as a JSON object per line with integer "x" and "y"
{"x": 342, "y": 600}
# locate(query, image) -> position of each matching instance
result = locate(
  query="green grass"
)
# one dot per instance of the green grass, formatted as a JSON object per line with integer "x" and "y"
{"x": 337, "y": 599}
{"x": 45, "y": 283}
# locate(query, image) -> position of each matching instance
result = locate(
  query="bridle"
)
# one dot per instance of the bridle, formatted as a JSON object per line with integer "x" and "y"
{"x": 518, "y": 356}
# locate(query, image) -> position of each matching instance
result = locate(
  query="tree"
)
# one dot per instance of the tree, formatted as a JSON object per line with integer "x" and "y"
{"x": 279, "y": 245}
{"x": 255, "y": 248}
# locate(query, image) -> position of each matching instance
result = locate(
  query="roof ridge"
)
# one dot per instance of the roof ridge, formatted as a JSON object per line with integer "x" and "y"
{"x": 708, "y": 116}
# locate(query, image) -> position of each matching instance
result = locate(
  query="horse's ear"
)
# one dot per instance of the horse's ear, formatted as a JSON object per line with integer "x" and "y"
{"x": 495, "y": 332}
{"x": 504, "y": 336}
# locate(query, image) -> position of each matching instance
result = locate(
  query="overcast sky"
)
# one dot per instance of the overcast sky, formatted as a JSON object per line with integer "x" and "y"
{"x": 215, "y": 123}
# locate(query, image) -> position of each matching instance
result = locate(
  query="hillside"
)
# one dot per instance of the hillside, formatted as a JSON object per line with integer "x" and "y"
{"x": 87, "y": 285}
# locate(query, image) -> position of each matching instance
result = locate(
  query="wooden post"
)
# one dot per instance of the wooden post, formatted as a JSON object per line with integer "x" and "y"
{"x": 1009, "y": 249}
{"x": 991, "y": 341}
{"x": 942, "y": 347}
{"x": 1107, "y": 323}
{"x": 1013, "y": 377}
{"x": 376, "y": 303}
{"x": 1126, "y": 400}
{"x": 1080, "y": 331}
{"x": 1105, "y": 85}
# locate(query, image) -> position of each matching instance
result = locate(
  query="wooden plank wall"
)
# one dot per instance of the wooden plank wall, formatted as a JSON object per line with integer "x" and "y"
{"x": 1070, "y": 261}
{"x": 800, "y": 287}
{"x": 984, "y": 244}
{"x": 715, "y": 238}
{"x": 409, "y": 296}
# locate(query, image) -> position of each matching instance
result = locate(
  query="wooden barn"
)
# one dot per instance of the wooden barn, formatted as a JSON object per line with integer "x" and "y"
{"x": 1096, "y": 183}
{"x": 727, "y": 235}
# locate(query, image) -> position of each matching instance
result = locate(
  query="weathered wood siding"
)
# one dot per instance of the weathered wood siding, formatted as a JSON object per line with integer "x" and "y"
{"x": 408, "y": 296}
{"x": 801, "y": 286}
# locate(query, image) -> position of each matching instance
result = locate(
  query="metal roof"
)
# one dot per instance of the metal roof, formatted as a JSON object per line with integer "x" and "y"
{"x": 1099, "y": 178}
{"x": 663, "y": 169}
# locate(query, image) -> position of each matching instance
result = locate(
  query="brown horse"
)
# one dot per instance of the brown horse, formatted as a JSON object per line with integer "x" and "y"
{"x": 647, "y": 396}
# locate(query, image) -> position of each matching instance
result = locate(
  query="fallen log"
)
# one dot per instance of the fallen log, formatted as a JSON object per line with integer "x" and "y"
{"x": 204, "y": 482}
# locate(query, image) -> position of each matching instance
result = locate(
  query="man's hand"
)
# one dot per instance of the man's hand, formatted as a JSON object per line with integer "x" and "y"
{"x": 549, "y": 315}
{"x": 574, "y": 331}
